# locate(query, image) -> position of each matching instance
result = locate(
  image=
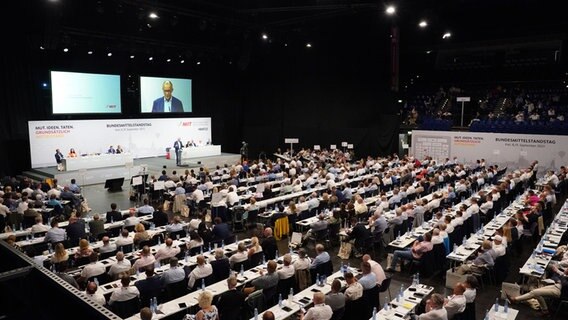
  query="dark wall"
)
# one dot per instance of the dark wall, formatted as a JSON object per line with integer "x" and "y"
{"x": 335, "y": 91}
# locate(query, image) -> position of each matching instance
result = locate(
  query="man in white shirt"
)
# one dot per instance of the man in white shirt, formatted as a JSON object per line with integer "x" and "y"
{"x": 125, "y": 292}
{"x": 107, "y": 246}
{"x": 124, "y": 239}
{"x": 146, "y": 259}
{"x": 320, "y": 310}
{"x": 121, "y": 265}
{"x": 200, "y": 271}
{"x": 376, "y": 268}
{"x": 94, "y": 268}
{"x": 167, "y": 250}
{"x": 92, "y": 293}
{"x": 499, "y": 248}
{"x": 197, "y": 196}
{"x": 39, "y": 226}
{"x": 287, "y": 270}
{"x": 354, "y": 289}
{"x": 132, "y": 219}
{"x": 434, "y": 309}
{"x": 455, "y": 303}
{"x": 232, "y": 196}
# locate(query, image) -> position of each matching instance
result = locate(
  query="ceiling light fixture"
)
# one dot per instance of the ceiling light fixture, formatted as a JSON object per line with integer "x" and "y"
{"x": 264, "y": 36}
{"x": 109, "y": 54}
{"x": 182, "y": 61}
{"x": 308, "y": 45}
{"x": 198, "y": 62}
{"x": 132, "y": 57}
{"x": 41, "y": 48}
{"x": 151, "y": 58}
{"x": 446, "y": 35}
{"x": 153, "y": 15}
{"x": 89, "y": 52}
{"x": 390, "y": 10}
{"x": 169, "y": 60}
{"x": 66, "y": 50}
{"x": 423, "y": 24}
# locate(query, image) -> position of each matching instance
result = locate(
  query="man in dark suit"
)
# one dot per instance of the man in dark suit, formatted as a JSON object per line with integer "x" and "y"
{"x": 159, "y": 217}
{"x": 358, "y": 235}
{"x": 96, "y": 226}
{"x": 221, "y": 230}
{"x": 59, "y": 159}
{"x": 232, "y": 302}
{"x": 113, "y": 215}
{"x": 269, "y": 244}
{"x": 221, "y": 266}
{"x": 167, "y": 103}
{"x": 178, "y": 146}
{"x": 149, "y": 287}
{"x": 76, "y": 230}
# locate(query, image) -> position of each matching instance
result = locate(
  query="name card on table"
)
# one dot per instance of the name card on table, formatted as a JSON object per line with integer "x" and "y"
{"x": 344, "y": 144}
{"x": 350, "y": 146}
{"x": 317, "y": 147}
{"x": 333, "y": 147}
{"x": 291, "y": 140}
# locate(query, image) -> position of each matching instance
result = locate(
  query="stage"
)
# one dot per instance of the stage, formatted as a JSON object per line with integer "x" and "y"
{"x": 151, "y": 166}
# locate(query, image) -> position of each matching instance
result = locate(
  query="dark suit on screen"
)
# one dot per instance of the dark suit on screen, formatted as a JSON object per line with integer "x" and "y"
{"x": 158, "y": 105}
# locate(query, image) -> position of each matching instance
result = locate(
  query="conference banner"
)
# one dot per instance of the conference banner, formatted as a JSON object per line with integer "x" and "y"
{"x": 511, "y": 150}
{"x": 140, "y": 137}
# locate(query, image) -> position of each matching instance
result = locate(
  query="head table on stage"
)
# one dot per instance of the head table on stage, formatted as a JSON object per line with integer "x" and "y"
{"x": 97, "y": 161}
{"x": 201, "y": 151}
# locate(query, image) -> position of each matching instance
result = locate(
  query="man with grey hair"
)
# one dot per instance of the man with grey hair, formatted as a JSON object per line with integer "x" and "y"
{"x": 320, "y": 310}
{"x": 434, "y": 309}
{"x": 232, "y": 302}
{"x": 121, "y": 265}
{"x": 287, "y": 270}
{"x": 221, "y": 265}
{"x": 269, "y": 244}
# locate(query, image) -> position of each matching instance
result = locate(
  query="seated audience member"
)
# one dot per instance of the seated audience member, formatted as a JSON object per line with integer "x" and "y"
{"x": 287, "y": 271}
{"x": 167, "y": 250}
{"x": 320, "y": 310}
{"x": 140, "y": 234}
{"x": 303, "y": 262}
{"x": 376, "y": 268}
{"x": 174, "y": 274}
{"x": 231, "y": 303}
{"x": 149, "y": 287}
{"x": 254, "y": 247}
{"x": 221, "y": 265}
{"x": 132, "y": 219}
{"x": 84, "y": 250}
{"x": 175, "y": 226}
{"x": 94, "y": 268}
{"x": 96, "y": 226}
{"x": 124, "y": 239}
{"x": 146, "y": 314}
{"x": 239, "y": 256}
{"x": 200, "y": 271}
{"x": 55, "y": 234}
{"x": 60, "y": 254}
{"x": 125, "y": 292}
{"x": 470, "y": 285}
{"x": 455, "y": 303}
{"x": 94, "y": 294}
{"x": 416, "y": 252}
{"x": 550, "y": 291}
{"x": 354, "y": 289}
{"x": 159, "y": 217}
{"x": 61, "y": 271}
{"x": 434, "y": 309}
{"x": 107, "y": 245}
{"x": 484, "y": 257}
{"x": 221, "y": 230}
{"x": 335, "y": 299}
{"x": 368, "y": 279}
{"x": 113, "y": 215}
{"x": 146, "y": 209}
{"x": 268, "y": 280}
{"x": 146, "y": 258}
{"x": 120, "y": 266}
{"x": 321, "y": 256}
{"x": 39, "y": 226}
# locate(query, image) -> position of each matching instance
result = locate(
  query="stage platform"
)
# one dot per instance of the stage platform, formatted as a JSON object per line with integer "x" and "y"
{"x": 152, "y": 166}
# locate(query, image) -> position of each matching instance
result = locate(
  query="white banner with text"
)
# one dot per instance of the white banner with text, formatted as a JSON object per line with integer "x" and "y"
{"x": 140, "y": 137}
{"x": 505, "y": 149}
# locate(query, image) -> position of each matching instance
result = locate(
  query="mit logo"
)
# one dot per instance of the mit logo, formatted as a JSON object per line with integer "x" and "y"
{"x": 185, "y": 124}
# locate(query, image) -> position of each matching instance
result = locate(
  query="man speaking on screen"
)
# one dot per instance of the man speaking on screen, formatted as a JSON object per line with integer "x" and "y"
{"x": 167, "y": 103}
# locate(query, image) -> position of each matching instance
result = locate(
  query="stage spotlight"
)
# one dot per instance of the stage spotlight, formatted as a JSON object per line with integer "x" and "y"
{"x": 89, "y": 52}
{"x": 153, "y": 15}
{"x": 446, "y": 35}
{"x": 132, "y": 57}
{"x": 308, "y": 45}
{"x": 66, "y": 50}
{"x": 109, "y": 54}
{"x": 264, "y": 36}
{"x": 151, "y": 58}
{"x": 423, "y": 24}
{"x": 390, "y": 10}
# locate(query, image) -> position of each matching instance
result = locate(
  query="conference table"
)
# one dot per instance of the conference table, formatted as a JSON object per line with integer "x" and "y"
{"x": 199, "y": 152}
{"x": 97, "y": 161}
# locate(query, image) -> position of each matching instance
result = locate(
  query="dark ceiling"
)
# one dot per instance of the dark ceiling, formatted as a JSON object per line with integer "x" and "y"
{"x": 224, "y": 28}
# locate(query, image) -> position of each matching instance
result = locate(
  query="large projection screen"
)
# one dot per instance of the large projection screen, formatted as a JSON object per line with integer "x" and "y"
{"x": 140, "y": 137}
{"x": 90, "y": 93}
